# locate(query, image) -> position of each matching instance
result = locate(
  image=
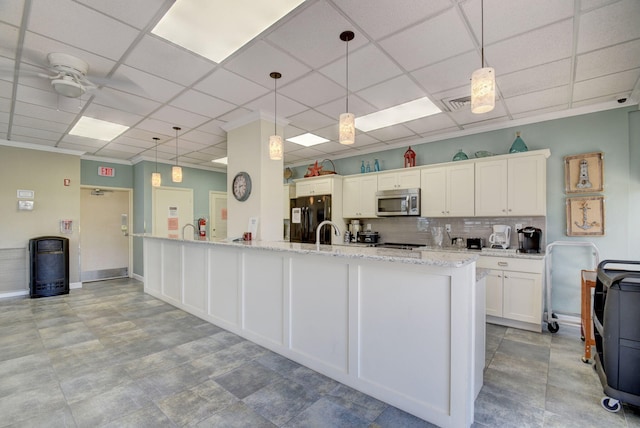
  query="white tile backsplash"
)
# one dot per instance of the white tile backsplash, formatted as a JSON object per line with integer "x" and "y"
{"x": 417, "y": 230}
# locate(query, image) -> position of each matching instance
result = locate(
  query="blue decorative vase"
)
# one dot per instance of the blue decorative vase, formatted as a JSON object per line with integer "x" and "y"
{"x": 460, "y": 156}
{"x": 362, "y": 167}
{"x": 376, "y": 165}
{"x": 518, "y": 145}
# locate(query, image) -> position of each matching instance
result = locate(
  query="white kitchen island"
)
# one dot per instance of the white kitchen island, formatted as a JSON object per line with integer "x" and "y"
{"x": 404, "y": 327}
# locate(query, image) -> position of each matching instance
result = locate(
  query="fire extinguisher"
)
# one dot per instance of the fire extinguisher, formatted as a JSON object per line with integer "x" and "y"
{"x": 202, "y": 226}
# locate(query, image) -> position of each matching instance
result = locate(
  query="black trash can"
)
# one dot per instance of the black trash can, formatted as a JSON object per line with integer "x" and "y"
{"x": 616, "y": 321}
{"x": 49, "y": 266}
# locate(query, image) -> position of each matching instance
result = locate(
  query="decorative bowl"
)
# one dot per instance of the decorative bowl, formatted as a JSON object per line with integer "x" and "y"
{"x": 483, "y": 154}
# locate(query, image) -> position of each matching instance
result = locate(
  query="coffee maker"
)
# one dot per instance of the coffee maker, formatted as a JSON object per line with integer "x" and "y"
{"x": 529, "y": 239}
{"x": 501, "y": 236}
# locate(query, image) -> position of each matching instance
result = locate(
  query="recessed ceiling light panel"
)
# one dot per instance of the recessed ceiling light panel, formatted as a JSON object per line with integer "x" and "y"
{"x": 308, "y": 140}
{"x": 422, "y": 107}
{"x": 217, "y": 28}
{"x": 97, "y": 129}
{"x": 224, "y": 160}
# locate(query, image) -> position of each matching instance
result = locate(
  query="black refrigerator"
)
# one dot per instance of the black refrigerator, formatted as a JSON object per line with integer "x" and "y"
{"x": 307, "y": 212}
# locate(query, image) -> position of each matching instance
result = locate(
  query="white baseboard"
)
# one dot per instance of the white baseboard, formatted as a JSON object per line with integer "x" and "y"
{"x": 75, "y": 285}
{"x": 14, "y": 294}
{"x": 138, "y": 277}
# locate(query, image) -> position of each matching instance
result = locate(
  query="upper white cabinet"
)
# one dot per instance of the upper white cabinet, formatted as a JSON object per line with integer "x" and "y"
{"x": 514, "y": 186}
{"x": 400, "y": 179}
{"x": 447, "y": 191}
{"x": 314, "y": 186}
{"x": 358, "y": 196}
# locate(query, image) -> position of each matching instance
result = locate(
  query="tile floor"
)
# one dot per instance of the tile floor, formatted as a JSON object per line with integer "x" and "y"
{"x": 110, "y": 355}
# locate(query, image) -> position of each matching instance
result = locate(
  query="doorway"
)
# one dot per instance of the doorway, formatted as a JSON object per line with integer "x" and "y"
{"x": 218, "y": 214}
{"x": 105, "y": 244}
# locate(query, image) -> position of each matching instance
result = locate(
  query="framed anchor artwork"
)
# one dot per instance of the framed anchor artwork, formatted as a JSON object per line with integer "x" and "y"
{"x": 585, "y": 216}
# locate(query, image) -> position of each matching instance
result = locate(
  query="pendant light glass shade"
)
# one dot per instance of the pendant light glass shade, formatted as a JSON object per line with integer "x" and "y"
{"x": 483, "y": 90}
{"x": 276, "y": 148}
{"x": 176, "y": 174}
{"x": 176, "y": 171}
{"x": 483, "y": 80}
{"x": 156, "y": 178}
{"x": 347, "y": 124}
{"x": 347, "y": 128}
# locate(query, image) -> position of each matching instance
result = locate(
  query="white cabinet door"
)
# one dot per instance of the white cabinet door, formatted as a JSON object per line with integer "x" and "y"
{"x": 433, "y": 192}
{"x": 527, "y": 177}
{"x": 358, "y": 195}
{"x": 514, "y": 187}
{"x": 522, "y": 296}
{"x": 448, "y": 191}
{"x": 491, "y": 188}
{"x": 460, "y": 190}
{"x": 408, "y": 179}
{"x": 314, "y": 186}
{"x": 494, "y": 293}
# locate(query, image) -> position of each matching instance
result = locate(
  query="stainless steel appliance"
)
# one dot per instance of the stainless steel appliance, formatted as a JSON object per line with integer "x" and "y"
{"x": 529, "y": 240}
{"x": 399, "y": 202}
{"x": 307, "y": 212}
{"x": 368, "y": 237}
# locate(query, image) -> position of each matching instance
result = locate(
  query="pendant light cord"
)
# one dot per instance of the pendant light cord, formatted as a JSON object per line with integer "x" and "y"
{"x": 275, "y": 106}
{"x": 347, "y": 75}
{"x": 177, "y": 128}
{"x": 482, "y": 30}
{"x": 156, "y": 140}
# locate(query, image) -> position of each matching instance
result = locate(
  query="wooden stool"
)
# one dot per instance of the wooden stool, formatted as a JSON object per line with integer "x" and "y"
{"x": 588, "y": 281}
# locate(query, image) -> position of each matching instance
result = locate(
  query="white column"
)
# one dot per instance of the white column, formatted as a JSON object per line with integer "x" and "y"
{"x": 248, "y": 151}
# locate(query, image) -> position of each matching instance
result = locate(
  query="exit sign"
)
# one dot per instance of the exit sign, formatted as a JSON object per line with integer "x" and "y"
{"x": 106, "y": 171}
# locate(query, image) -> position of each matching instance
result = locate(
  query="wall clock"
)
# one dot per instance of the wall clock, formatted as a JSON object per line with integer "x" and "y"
{"x": 241, "y": 186}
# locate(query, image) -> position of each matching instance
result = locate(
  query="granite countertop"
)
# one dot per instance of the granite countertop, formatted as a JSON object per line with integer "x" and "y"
{"x": 416, "y": 256}
{"x": 489, "y": 252}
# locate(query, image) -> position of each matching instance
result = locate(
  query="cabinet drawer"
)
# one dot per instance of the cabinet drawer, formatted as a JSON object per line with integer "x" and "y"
{"x": 511, "y": 264}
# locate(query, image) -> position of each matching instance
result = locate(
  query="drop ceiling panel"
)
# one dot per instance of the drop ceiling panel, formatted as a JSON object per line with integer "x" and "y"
{"x": 35, "y": 133}
{"x": 379, "y": 18}
{"x": 541, "y": 46}
{"x": 538, "y": 100}
{"x": 607, "y": 61}
{"x": 30, "y": 140}
{"x": 11, "y": 11}
{"x": 159, "y": 58}
{"x": 367, "y": 66}
{"x": 521, "y": 16}
{"x": 125, "y": 102}
{"x": 204, "y": 137}
{"x": 213, "y": 127}
{"x": 550, "y": 75}
{"x": 357, "y": 106}
{"x": 430, "y": 123}
{"x": 5, "y": 105}
{"x": 313, "y": 90}
{"x": 392, "y": 92}
{"x": 52, "y": 114}
{"x": 179, "y": 117}
{"x": 621, "y": 83}
{"x": 89, "y": 144}
{"x": 80, "y": 26}
{"x": 111, "y": 115}
{"x": 37, "y": 123}
{"x": 615, "y": 23}
{"x": 391, "y": 133}
{"x": 270, "y": 59}
{"x": 9, "y": 37}
{"x": 310, "y": 120}
{"x": 450, "y": 73}
{"x": 115, "y": 154}
{"x": 134, "y": 142}
{"x": 230, "y": 87}
{"x": 322, "y": 26}
{"x": 136, "y": 13}
{"x": 286, "y": 106}
{"x": 6, "y": 89}
{"x": 203, "y": 104}
{"x": 147, "y": 85}
{"x": 121, "y": 147}
{"x": 411, "y": 49}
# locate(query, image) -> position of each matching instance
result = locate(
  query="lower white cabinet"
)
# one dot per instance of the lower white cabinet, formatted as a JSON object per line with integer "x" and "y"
{"x": 514, "y": 291}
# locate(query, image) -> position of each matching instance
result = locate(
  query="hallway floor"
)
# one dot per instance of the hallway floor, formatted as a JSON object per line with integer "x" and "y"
{"x": 110, "y": 355}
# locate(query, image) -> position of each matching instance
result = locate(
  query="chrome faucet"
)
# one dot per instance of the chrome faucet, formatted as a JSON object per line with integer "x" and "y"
{"x": 185, "y": 226}
{"x": 335, "y": 227}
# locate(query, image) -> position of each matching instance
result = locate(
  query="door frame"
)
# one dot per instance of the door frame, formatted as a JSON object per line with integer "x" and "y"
{"x": 130, "y": 221}
{"x": 212, "y": 194}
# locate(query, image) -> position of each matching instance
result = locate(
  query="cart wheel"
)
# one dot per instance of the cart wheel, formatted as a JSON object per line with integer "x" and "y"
{"x": 553, "y": 327}
{"x": 585, "y": 360}
{"x": 610, "y": 404}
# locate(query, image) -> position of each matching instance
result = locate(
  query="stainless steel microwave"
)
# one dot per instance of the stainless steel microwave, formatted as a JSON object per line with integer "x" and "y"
{"x": 398, "y": 202}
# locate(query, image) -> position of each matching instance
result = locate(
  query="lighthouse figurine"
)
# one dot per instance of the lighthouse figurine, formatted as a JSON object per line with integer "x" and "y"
{"x": 409, "y": 158}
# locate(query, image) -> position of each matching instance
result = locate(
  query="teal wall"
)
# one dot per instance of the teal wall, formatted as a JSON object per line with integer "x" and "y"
{"x": 89, "y": 174}
{"x": 614, "y": 132}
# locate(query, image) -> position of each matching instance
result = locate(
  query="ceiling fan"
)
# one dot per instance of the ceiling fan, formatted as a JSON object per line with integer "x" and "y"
{"x": 70, "y": 75}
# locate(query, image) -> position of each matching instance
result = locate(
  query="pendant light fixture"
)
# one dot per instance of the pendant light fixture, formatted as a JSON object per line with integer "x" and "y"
{"x": 275, "y": 141}
{"x": 156, "y": 178}
{"x": 347, "y": 127}
{"x": 483, "y": 80}
{"x": 176, "y": 171}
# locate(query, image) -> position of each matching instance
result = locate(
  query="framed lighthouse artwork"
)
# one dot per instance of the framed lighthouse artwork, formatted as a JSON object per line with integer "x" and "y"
{"x": 584, "y": 173}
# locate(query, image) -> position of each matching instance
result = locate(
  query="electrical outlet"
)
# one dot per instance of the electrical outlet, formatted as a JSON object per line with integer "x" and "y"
{"x": 447, "y": 227}
{"x": 518, "y": 226}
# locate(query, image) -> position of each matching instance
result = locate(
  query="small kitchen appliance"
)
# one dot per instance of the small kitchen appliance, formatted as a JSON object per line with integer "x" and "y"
{"x": 355, "y": 228}
{"x": 529, "y": 239}
{"x": 501, "y": 236}
{"x": 368, "y": 237}
{"x": 475, "y": 243}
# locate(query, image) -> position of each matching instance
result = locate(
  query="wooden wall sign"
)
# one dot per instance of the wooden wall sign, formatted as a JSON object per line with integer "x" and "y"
{"x": 585, "y": 216}
{"x": 584, "y": 173}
